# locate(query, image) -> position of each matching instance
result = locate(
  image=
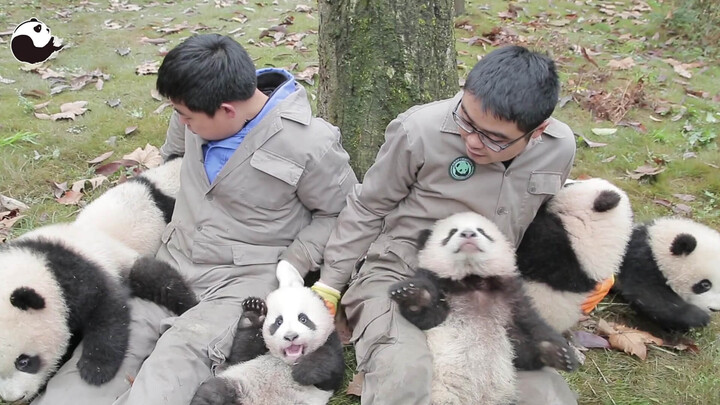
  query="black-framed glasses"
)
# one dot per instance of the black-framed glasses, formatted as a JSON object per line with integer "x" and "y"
{"x": 484, "y": 137}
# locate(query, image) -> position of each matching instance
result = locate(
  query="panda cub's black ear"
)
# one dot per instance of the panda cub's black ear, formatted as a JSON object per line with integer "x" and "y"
{"x": 607, "y": 200}
{"x": 683, "y": 244}
{"x": 26, "y": 298}
{"x": 423, "y": 238}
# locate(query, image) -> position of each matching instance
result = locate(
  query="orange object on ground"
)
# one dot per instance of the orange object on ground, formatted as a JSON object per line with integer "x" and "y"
{"x": 601, "y": 290}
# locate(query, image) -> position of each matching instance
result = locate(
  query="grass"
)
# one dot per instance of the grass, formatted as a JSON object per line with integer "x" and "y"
{"x": 35, "y": 152}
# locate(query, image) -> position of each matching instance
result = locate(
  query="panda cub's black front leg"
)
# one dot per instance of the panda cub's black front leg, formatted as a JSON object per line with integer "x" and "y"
{"x": 248, "y": 342}
{"x": 421, "y": 301}
{"x": 537, "y": 344}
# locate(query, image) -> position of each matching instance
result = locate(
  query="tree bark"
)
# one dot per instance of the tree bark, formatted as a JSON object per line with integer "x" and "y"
{"x": 377, "y": 59}
{"x": 459, "y": 7}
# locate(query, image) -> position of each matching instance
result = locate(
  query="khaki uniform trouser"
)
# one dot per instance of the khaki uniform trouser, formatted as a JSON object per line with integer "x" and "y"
{"x": 394, "y": 354}
{"x": 169, "y": 356}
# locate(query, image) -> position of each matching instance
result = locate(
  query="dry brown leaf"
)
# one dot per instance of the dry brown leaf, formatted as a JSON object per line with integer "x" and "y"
{"x": 75, "y": 108}
{"x": 148, "y": 68}
{"x": 156, "y": 95}
{"x": 307, "y": 74}
{"x": 162, "y": 107}
{"x": 622, "y": 64}
{"x": 99, "y": 84}
{"x": 301, "y": 8}
{"x": 100, "y": 158}
{"x": 58, "y": 188}
{"x": 41, "y": 105}
{"x": 11, "y": 204}
{"x": 590, "y": 143}
{"x": 685, "y": 197}
{"x": 587, "y": 56}
{"x": 130, "y": 130}
{"x": 70, "y": 197}
{"x": 149, "y": 156}
{"x": 608, "y": 159}
{"x": 645, "y": 170}
{"x": 153, "y": 41}
{"x": 355, "y": 386}
{"x": 682, "y": 209}
{"x": 627, "y": 339}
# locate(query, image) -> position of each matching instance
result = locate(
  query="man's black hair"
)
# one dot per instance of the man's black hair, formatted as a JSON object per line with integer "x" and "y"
{"x": 517, "y": 85}
{"x": 206, "y": 71}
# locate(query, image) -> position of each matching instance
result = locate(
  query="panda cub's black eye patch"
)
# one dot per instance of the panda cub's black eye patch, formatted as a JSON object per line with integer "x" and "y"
{"x": 28, "y": 364}
{"x": 702, "y": 286}
{"x": 485, "y": 234}
{"x": 274, "y": 327}
{"x": 306, "y": 321}
{"x": 37, "y": 28}
{"x": 450, "y": 235}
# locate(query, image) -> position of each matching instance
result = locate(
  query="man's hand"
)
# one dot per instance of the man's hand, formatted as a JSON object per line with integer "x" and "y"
{"x": 596, "y": 295}
{"x": 330, "y": 295}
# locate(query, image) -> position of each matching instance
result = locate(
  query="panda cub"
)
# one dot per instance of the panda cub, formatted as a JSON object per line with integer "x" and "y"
{"x": 577, "y": 239}
{"x": 137, "y": 211}
{"x": 469, "y": 299}
{"x": 305, "y": 362}
{"x": 62, "y": 283}
{"x": 671, "y": 272}
{"x": 31, "y": 42}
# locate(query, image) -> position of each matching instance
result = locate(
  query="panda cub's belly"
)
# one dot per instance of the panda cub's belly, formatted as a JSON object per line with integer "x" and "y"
{"x": 267, "y": 380}
{"x": 472, "y": 352}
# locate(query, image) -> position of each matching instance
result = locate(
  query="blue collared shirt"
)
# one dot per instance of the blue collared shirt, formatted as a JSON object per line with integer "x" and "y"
{"x": 217, "y": 153}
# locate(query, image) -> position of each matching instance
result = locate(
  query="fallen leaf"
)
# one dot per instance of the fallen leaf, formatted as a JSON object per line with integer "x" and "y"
{"x": 559, "y": 23}
{"x": 148, "y": 68}
{"x": 355, "y": 386}
{"x": 590, "y": 340}
{"x": 645, "y": 170}
{"x": 149, "y": 156}
{"x": 587, "y": 57}
{"x": 153, "y": 41}
{"x": 130, "y": 130}
{"x": 301, "y": 8}
{"x": 41, "y": 105}
{"x": 156, "y": 95}
{"x": 629, "y": 340}
{"x": 682, "y": 71}
{"x": 99, "y": 84}
{"x": 604, "y": 131}
{"x": 11, "y": 204}
{"x": 58, "y": 188}
{"x": 123, "y": 51}
{"x": 100, "y": 158}
{"x": 162, "y": 107}
{"x": 608, "y": 159}
{"x": 682, "y": 209}
{"x": 665, "y": 203}
{"x": 113, "y": 103}
{"x": 622, "y": 64}
{"x": 685, "y": 197}
{"x": 689, "y": 155}
{"x": 6, "y": 81}
{"x": 307, "y": 74}
{"x": 75, "y": 108}
{"x": 70, "y": 197}
{"x": 590, "y": 143}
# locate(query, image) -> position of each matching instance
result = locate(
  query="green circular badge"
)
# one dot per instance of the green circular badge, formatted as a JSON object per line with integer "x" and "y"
{"x": 462, "y": 168}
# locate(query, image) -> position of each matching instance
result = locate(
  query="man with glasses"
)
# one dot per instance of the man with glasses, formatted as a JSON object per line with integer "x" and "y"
{"x": 493, "y": 149}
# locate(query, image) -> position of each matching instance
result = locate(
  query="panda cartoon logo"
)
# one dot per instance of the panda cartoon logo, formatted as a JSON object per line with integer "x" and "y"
{"x": 32, "y": 43}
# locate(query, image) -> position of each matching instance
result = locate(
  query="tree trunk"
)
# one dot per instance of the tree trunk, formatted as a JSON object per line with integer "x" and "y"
{"x": 377, "y": 59}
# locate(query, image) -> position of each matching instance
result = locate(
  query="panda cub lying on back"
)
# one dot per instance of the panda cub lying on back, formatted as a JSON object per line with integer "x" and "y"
{"x": 671, "y": 272}
{"x": 305, "y": 362}
{"x": 469, "y": 299}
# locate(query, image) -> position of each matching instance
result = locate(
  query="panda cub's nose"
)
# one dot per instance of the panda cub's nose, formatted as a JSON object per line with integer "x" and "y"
{"x": 290, "y": 336}
{"x": 467, "y": 234}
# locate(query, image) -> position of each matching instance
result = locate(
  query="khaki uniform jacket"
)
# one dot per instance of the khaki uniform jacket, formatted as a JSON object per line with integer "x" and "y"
{"x": 277, "y": 197}
{"x": 409, "y": 187}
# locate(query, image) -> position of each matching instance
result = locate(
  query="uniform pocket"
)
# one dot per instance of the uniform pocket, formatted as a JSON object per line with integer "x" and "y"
{"x": 273, "y": 182}
{"x": 244, "y": 254}
{"x": 544, "y": 183}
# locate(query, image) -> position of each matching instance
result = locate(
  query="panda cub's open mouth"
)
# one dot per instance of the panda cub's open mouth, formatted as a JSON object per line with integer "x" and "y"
{"x": 294, "y": 351}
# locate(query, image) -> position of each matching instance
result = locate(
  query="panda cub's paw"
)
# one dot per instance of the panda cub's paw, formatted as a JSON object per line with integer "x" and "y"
{"x": 411, "y": 296}
{"x": 94, "y": 371}
{"x": 254, "y": 311}
{"x": 216, "y": 391}
{"x": 558, "y": 355}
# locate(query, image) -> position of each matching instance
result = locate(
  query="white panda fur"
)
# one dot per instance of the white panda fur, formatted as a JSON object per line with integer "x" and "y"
{"x": 577, "y": 239}
{"x": 303, "y": 364}
{"x": 671, "y": 272}
{"x": 467, "y": 296}
{"x": 46, "y": 332}
{"x": 40, "y": 38}
{"x": 65, "y": 281}
{"x": 137, "y": 211}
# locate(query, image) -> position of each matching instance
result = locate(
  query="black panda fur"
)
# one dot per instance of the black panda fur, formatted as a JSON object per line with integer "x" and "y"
{"x": 576, "y": 240}
{"x": 485, "y": 300}
{"x": 671, "y": 294}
